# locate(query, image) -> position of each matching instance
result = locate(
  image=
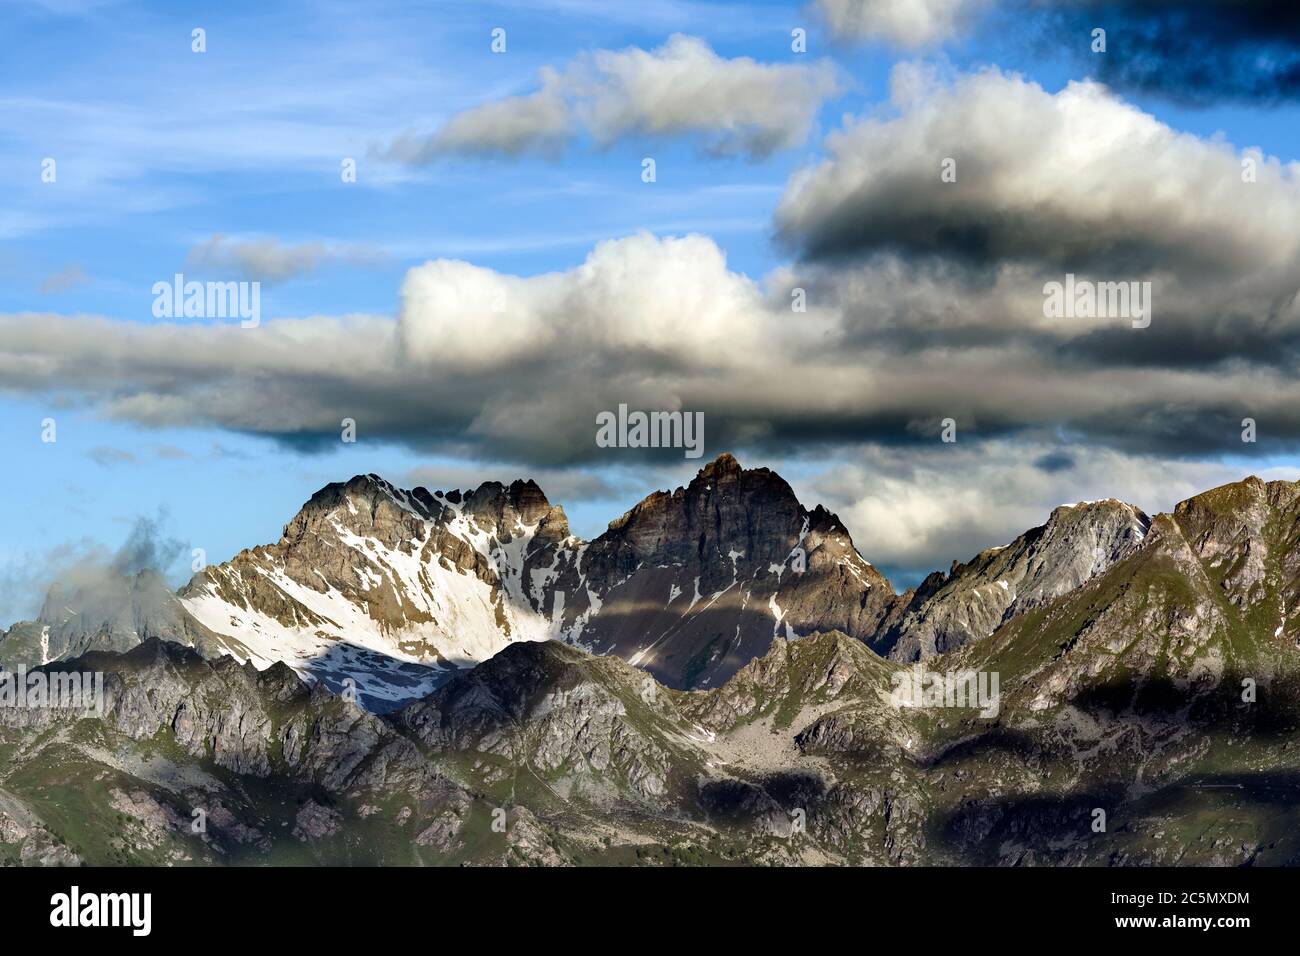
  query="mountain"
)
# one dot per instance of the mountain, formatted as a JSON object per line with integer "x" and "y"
{"x": 544, "y": 755}
{"x": 692, "y": 585}
{"x": 394, "y": 587}
{"x": 1209, "y": 597}
{"x": 974, "y": 599}
{"x": 397, "y": 589}
{"x": 388, "y": 587}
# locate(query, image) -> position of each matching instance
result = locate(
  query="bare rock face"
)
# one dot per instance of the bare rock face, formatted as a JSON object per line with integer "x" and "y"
{"x": 974, "y": 599}
{"x": 40, "y": 850}
{"x": 530, "y": 842}
{"x": 694, "y": 584}
{"x": 443, "y": 833}
{"x": 315, "y": 822}
{"x": 1247, "y": 535}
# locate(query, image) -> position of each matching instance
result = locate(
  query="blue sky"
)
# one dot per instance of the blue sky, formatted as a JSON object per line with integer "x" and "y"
{"x": 160, "y": 149}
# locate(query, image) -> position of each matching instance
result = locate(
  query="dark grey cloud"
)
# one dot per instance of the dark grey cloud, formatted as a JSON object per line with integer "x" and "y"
{"x": 1194, "y": 51}
{"x": 1054, "y": 462}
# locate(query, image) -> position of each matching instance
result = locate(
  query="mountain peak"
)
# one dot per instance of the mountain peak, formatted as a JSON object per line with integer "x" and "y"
{"x": 1105, "y": 509}
{"x": 1076, "y": 543}
{"x": 1236, "y": 495}
{"x": 724, "y": 464}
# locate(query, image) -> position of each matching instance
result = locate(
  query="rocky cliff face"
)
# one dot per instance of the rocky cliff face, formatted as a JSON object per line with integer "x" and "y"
{"x": 1247, "y": 537}
{"x": 692, "y": 585}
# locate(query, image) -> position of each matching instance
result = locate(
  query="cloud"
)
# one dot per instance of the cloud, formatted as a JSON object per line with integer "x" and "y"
{"x": 25, "y": 579}
{"x": 107, "y": 456}
{"x": 147, "y": 548}
{"x": 85, "y": 567}
{"x": 1047, "y": 185}
{"x": 271, "y": 261}
{"x": 1192, "y": 52}
{"x": 906, "y": 23}
{"x": 69, "y": 277}
{"x": 492, "y": 366}
{"x": 1077, "y": 179}
{"x": 512, "y": 126}
{"x": 681, "y": 89}
{"x": 1054, "y": 462}
{"x": 924, "y": 302}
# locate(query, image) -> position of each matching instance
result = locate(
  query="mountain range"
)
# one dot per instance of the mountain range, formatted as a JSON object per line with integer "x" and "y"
{"x": 714, "y": 679}
{"x": 399, "y": 589}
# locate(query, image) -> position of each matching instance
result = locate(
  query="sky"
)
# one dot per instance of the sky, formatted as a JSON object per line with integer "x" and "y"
{"x": 499, "y": 271}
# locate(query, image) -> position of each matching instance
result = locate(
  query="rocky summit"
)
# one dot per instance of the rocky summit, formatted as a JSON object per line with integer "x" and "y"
{"x": 416, "y": 677}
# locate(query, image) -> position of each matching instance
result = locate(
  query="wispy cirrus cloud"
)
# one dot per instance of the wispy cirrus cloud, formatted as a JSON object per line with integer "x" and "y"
{"x": 106, "y": 456}
{"x": 69, "y": 277}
